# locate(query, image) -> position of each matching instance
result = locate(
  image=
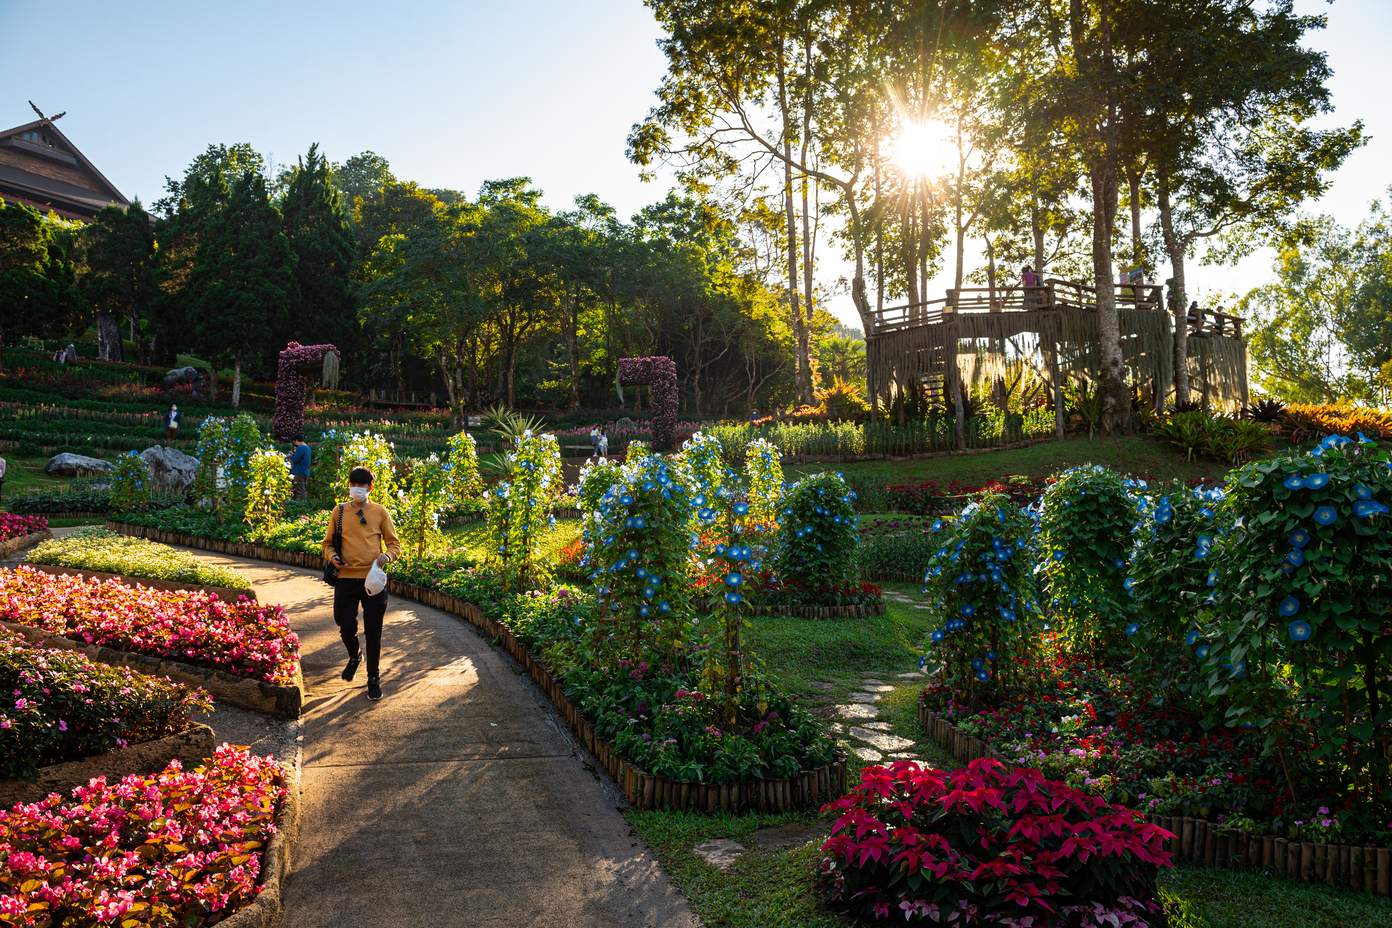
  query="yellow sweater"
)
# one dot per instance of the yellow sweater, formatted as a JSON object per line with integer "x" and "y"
{"x": 362, "y": 543}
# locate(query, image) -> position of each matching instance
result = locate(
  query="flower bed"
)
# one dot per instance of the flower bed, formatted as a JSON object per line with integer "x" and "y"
{"x": 990, "y": 845}
{"x": 98, "y": 549}
{"x": 178, "y": 848}
{"x": 12, "y": 526}
{"x": 59, "y": 706}
{"x": 243, "y": 638}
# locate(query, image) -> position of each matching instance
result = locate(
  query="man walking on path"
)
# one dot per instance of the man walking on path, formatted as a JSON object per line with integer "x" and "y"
{"x": 299, "y": 467}
{"x": 368, "y": 538}
{"x": 171, "y": 423}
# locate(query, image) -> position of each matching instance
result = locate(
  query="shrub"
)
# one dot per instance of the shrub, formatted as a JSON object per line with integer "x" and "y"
{"x": 640, "y": 559}
{"x": 1172, "y": 565}
{"x": 765, "y": 476}
{"x": 62, "y": 706}
{"x": 370, "y": 450}
{"x": 61, "y": 499}
{"x": 243, "y": 638}
{"x": 176, "y": 848}
{"x": 816, "y": 536}
{"x": 1199, "y": 433}
{"x": 1304, "y": 599}
{"x": 990, "y": 845}
{"x": 1309, "y": 422}
{"x": 845, "y": 397}
{"x": 130, "y": 484}
{"x": 1085, "y": 542}
{"x": 12, "y": 526}
{"x": 268, "y": 487}
{"x": 93, "y": 548}
{"x": 464, "y": 481}
{"x": 518, "y": 511}
{"x": 981, "y": 579}
{"x": 418, "y": 515}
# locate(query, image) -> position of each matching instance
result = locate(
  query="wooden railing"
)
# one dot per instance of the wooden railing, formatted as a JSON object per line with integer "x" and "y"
{"x": 1054, "y": 293}
{"x": 393, "y": 398}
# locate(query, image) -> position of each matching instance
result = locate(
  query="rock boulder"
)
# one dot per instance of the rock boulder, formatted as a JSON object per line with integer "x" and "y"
{"x": 76, "y": 465}
{"x": 181, "y": 376}
{"x": 170, "y": 469}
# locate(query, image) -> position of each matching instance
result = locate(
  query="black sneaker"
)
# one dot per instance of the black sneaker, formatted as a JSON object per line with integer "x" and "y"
{"x": 351, "y": 669}
{"x": 374, "y": 688}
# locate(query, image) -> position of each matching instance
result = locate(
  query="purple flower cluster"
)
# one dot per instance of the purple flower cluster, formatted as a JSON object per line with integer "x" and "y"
{"x": 660, "y": 373}
{"x": 292, "y": 381}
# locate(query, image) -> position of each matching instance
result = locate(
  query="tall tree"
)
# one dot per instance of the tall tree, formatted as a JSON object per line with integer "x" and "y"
{"x": 242, "y": 282}
{"x": 37, "y": 282}
{"x": 321, "y": 239}
{"x": 117, "y": 252}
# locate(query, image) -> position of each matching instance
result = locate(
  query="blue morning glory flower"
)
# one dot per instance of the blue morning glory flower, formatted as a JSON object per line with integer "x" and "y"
{"x": 720, "y": 549}
{"x": 626, "y": 500}
{"x": 1206, "y": 512}
{"x": 1296, "y": 557}
{"x": 733, "y": 598}
{"x": 641, "y": 572}
{"x": 649, "y": 592}
{"x": 983, "y": 675}
{"x": 1299, "y": 630}
{"x": 644, "y": 610}
{"x": 1058, "y": 555}
{"x": 990, "y": 655}
{"x": 968, "y": 610}
{"x": 1119, "y": 563}
{"x": 741, "y": 509}
{"x": 733, "y": 578}
{"x": 1295, "y": 482}
{"x": 938, "y": 525}
{"x": 1201, "y": 651}
{"x": 1325, "y": 515}
{"x": 1007, "y": 614}
{"x": 632, "y": 553}
{"x": 1367, "y": 508}
{"x": 1129, "y": 583}
{"x": 1133, "y": 628}
{"x": 1290, "y": 606}
{"x": 1213, "y": 578}
{"x": 938, "y": 634}
{"x": 1190, "y": 638}
{"x": 664, "y": 607}
{"x": 1317, "y": 481}
{"x": 1298, "y": 538}
{"x": 1363, "y": 492}
{"x": 977, "y": 663}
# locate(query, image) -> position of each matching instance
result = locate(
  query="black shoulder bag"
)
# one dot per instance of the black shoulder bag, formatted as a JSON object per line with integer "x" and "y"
{"x": 331, "y": 571}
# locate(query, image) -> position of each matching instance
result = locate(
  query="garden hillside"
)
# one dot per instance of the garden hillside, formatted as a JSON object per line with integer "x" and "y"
{"x": 727, "y": 635}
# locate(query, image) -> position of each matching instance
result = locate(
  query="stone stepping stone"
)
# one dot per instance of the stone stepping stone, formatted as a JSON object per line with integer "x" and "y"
{"x": 878, "y": 726}
{"x": 794, "y": 834}
{"x": 864, "y": 697}
{"x": 857, "y": 712}
{"x": 904, "y": 755}
{"x": 823, "y": 687}
{"x": 882, "y": 740}
{"x": 911, "y": 674}
{"x": 878, "y": 688}
{"x": 872, "y": 681}
{"x": 720, "y": 853}
{"x": 864, "y": 753}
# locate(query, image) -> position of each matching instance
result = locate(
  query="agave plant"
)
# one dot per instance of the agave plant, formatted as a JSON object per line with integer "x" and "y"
{"x": 1267, "y": 411}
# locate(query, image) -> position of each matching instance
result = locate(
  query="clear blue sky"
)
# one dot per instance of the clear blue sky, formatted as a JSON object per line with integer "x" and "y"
{"x": 454, "y": 93}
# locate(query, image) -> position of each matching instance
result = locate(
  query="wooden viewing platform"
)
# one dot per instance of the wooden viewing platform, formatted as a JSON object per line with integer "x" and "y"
{"x": 1049, "y": 333}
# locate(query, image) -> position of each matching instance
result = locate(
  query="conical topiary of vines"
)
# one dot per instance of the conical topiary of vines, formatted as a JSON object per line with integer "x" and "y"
{"x": 660, "y": 374}
{"x": 292, "y": 384}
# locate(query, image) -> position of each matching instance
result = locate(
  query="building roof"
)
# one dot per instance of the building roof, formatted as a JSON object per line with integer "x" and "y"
{"x": 40, "y": 167}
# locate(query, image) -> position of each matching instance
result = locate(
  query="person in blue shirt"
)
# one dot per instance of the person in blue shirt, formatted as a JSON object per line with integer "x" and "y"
{"x": 171, "y": 423}
{"x": 299, "y": 467}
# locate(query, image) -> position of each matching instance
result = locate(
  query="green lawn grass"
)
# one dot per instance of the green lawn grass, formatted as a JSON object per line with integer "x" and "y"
{"x": 28, "y": 473}
{"x": 472, "y": 537}
{"x": 1138, "y": 456}
{"x": 772, "y": 887}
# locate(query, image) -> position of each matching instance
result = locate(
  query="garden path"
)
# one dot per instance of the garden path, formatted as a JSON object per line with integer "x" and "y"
{"x": 459, "y": 799}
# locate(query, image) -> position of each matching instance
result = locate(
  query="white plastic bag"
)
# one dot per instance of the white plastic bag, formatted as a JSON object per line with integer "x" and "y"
{"x": 376, "y": 580}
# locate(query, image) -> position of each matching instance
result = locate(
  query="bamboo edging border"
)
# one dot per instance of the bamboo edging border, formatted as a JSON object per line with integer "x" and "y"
{"x": 821, "y": 612}
{"x": 1363, "y": 869}
{"x": 642, "y": 789}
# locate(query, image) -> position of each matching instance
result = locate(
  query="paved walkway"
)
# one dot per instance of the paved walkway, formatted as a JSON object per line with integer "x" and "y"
{"x": 458, "y": 799}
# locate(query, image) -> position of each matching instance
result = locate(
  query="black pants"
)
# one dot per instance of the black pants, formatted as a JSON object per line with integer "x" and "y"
{"x": 347, "y": 595}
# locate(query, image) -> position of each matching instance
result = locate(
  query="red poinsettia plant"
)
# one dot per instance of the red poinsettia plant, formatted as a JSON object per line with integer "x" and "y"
{"x": 990, "y": 844}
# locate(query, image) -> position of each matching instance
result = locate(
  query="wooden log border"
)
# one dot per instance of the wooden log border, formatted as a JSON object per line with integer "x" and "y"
{"x": 1359, "y": 868}
{"x": 821, "y": 612}
{"x": 810, "y": 788}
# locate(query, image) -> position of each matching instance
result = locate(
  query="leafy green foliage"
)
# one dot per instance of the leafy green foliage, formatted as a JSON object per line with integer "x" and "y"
{"x": 764, "y": 474}
{"x": 1085, "y": 543}
{"x": 268, "y": 487}
{"x": 93, "y": 548}
{"x": 1199, "y": 433}
{"x": 464, "y": 480}
{"x": 816, "y": 537}
{"x": 130, "y": 484}
{"x": 418, "y": 513}
{"x": 370, "y": 450}
{"x": 519, "y": 510}
{"x": 982, "y": 581}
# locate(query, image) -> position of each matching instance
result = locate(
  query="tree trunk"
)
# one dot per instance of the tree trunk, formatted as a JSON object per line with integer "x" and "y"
{"x": 957, "y": 206}
{"x": 511, "y": 374}
{"x": 572, "y": 349}
{"x": 1175, "y": 249}
{"x": 1037, "y": 232}
{"x": 1116, "y": 398}
{"x": 237, "y": 381}
{"x": 1133, "y": 180}
{"x": 109, "y": 338}
{"x": 801, "y": 371}
{"x": 212, "y": 381}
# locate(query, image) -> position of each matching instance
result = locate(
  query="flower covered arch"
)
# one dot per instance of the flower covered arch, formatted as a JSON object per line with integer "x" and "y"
{"x": 292, "y": 379}
{"x": 660, "y": 373}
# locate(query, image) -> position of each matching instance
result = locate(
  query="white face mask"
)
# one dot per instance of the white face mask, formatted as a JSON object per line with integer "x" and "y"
{"x": 358, "y": 494}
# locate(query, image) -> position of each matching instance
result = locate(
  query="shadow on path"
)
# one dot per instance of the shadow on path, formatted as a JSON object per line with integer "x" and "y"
{"x": 454, "y": 801}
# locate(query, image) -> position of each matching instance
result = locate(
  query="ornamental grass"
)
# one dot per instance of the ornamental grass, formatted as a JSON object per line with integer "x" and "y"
{"x": 244, "y": 638}
{"x": 177, "y": 848}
